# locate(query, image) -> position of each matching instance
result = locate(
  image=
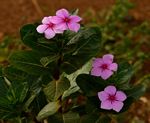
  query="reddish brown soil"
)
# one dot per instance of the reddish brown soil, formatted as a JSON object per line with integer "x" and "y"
{"x": 13, "y": 14}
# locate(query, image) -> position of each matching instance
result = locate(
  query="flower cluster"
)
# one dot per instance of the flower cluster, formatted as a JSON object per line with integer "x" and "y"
{"x": 53, "y": 25}
{"x": 110, "y": 98}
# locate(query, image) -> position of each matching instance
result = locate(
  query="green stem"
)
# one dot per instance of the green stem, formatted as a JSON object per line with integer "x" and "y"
{"x": 19, "y": 120}
{"x": 143, "y": 79}
{"x": 60, "y": 45}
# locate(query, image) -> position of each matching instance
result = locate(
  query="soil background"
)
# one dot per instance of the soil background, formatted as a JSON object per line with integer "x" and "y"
{"x": 15, "y": 13}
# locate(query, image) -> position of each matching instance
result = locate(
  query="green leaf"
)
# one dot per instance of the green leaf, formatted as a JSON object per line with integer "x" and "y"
{"x": 89, "y": 118}
{"x": 136, "y": 91}
{"x": 48, "y": 59}
{"x": 37, "y": 103}
{"x": 71, "y": 117}
{"x": 90, "y": 85}
{"x": 5, "y": 110}
{"x": 49, "y": 48}
{"x": 28, "y": 61}
{"x": 12, "y": 98}
{"x": 17, "y": 92}
{"x": 50, "y": 109}
{"x": 29, "y": 101}
{"x": 72, "y": 78}
{"x": 3, "y": 85}
{"x": 74, "y": 12}
{"x": 34, "y": 40}
{"x": 13, "y": 74}
{"x": 123, "y": 75}
{"x": 56, "y": 118}
{"x": 22, "y": 91}
{"x": 56, "y": 88}
{"x": 104, "y": 119}
{"x": 26, "y": 29}
{"x": 34, "y": 81}
{"x": 87, "y": 43}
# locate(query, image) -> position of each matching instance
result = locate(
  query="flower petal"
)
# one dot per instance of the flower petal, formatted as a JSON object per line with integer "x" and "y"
{"x": 108, "y": 58}
{"x": 41, "y": 28}
{"x": 49, "y": 33}
{"x": 103, "y": 96}
{"x": 62, "y": 26}
{"x": 120, "y": 96}
{"x": 58, "y": 31}
{"x": 110, "y": 89}
{"x": 106, "y": 105}
{"x": 97, "y": 62}
{"x": 74, "y": 26}
{"x": 62, "y": 13}
{"x": 106, "y": 74}
{"x": 75, "y": 18}
{"x": 56, "y": 20}
{"x": 46, "y": 20}
{"x": 113, "y": 66}
{"x": 117, "y": 105}
{"x": 96, "y": 72}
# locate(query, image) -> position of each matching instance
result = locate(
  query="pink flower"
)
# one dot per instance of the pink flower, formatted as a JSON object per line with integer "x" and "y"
{"x": 111, "y": 98}
{"x": 104, "y": 67}
{"x": 66, "y": 21}
{"x": 48, "y": 28}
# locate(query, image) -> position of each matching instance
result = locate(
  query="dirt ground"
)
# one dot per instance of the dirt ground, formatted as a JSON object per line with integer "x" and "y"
{"x": 13, "y": 14}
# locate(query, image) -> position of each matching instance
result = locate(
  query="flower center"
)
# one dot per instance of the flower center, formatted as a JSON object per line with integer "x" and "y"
{"x": 50, "y": 25}
{"x": 66, "y": 20}
{"x": 104, "y": 66}
{"x": 112, "y": 98}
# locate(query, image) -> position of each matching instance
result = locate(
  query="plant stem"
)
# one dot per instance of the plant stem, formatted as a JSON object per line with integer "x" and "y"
{"x": 19, "y": 120}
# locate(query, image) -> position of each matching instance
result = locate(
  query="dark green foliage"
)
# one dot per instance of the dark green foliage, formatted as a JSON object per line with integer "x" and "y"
{"x": 55, "y": 89}
{"x": 29, "y": 62}
{"x": 70, "y": 51}
{"x": 44, "y": 64}
{"x": 83, "y": 41}
{"x": 12, "y": 98}
{"x": 123, "y": 75}
{"x": 90, "y": 85}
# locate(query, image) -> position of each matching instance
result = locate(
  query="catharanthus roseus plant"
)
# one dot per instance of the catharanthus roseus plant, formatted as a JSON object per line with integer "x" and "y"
{"x": 61, "y": 79}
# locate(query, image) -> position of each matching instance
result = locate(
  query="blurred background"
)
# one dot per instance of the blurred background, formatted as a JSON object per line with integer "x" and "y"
{"x": 125, "y": 32}
{"x": 13, "y": 14}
